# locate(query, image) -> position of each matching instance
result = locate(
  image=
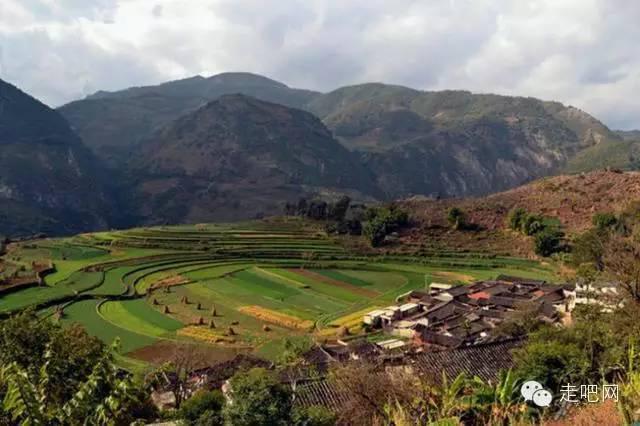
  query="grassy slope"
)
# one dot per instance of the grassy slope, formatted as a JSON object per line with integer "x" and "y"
{"x": 614, "y": 154}
{"x": 86, "y": 313}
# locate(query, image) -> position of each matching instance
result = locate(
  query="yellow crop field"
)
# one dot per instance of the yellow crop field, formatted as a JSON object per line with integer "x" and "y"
{"x": 352, "y": 319}
{"x": 278, "y": 318}
{"x": 352, "y": 322}
{"x": 204, "y": 334}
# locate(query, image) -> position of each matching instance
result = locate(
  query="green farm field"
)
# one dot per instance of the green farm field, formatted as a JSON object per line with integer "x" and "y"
{"x": 228, "y": 288}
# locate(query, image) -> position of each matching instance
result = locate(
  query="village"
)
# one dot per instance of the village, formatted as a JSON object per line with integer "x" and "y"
{"x": 444, "y": 329}
{"x": 452, "y": 316}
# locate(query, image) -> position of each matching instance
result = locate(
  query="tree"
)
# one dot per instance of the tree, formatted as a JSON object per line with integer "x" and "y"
{"x": 302, "y": 207}
{"x": 516, "y": 218}
{"x": 204, "y": 407}
{"x": 317, "y": 210}
{"x": 588, "y": 247}
{"x": 25, "y": 339}
{"x": 184, "y": 360}
{"x": 257, "y": 398}
{"x": 338, "y": 210}
{"x": 622, "y": 263}
{"x": 592, "y": 349}
{"x": 61, "y": 375}
{"x": 547, "y": 242}
{"x": 292, "y": 365}
{"x": 381, "y": 221}
{"x": 456, "y": 218}
{"x": 369, "y": 392}
{"x": 550, "y": 362}
{"x": 375, "y": 231}
{"x": 532, "y": 224}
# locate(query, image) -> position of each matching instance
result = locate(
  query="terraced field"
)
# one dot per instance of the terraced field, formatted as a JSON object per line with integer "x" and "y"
{"x": 229, "y": 288}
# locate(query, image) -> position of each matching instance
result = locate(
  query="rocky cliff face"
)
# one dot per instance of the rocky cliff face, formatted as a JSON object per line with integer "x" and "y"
{"x": 49, "y": 181}
{"x": 454, "y": 143}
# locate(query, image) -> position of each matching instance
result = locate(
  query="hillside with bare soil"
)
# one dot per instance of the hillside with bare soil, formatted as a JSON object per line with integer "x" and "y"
{"x": 572, "y": 199}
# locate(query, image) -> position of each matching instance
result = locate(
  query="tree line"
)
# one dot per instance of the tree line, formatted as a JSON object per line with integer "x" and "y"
{"x": 376, "y": 223}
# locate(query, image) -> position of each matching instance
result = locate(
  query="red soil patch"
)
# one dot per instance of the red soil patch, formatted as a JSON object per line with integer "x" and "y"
{"x": 164, "y": 351}
{"x": 331, "y": 281}
{"x": 170, "y": 282}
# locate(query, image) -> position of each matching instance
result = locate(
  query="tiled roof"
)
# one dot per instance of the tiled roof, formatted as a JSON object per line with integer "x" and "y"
{"x": 484, "y": 361}
{"x": 504, "y": 301}
{"x": 457, "y": 290}
{"x": 215, "y": 375}
{"x": 519, "y": 280}
{"x": 438, "y": 339}
{"x": 324, "y": 392}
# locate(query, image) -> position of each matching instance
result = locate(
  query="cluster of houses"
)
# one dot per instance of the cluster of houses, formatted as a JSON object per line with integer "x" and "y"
{"x": 603, "y": 294}
{"x": 451, "y": 316}
{"x": 444, "y": 329}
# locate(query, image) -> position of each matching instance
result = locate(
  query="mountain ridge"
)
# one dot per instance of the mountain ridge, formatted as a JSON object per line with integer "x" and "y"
{"x": 239, "y": 157}
{"x": 375, "y": 142}
{"x": 49, "y": 181}
{"x": 447, "y": 143}
{"x": 140, "y": 111}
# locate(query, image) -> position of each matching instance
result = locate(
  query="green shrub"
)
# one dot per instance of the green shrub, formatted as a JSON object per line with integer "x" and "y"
{"x": 547, "y": 242}
{"x": 532, "y": 224}
{"x": 456, "y": 218}
{"x": 588, "y": 247}
{"x": 258, "y": 398}
{"x": 313, "y": 416}
{"x": 203, "y": 405}
{"x": 375, "y": 230}
{"x": 604, "y": 221}
{"x": 382, "y": 221}
{"x": 516, "y": 218}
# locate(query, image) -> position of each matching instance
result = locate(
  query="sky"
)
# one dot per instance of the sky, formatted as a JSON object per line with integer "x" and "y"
{"x": 585, "y": 53}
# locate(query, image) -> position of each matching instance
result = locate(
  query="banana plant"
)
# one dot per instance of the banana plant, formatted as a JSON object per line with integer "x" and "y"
{"x": 498, "y": 404}
{"x": 101, "y": 399}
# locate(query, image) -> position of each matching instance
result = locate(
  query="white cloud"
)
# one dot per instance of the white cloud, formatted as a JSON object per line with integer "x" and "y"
{"x": 582, "y": 52}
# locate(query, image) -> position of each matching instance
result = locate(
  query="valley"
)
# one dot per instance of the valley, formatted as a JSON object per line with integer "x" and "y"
{"x": 316, "y": 213}
{"x": 230, "y": 289}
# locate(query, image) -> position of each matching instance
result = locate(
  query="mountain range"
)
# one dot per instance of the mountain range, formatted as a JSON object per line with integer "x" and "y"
{"x": 239, "y": 145}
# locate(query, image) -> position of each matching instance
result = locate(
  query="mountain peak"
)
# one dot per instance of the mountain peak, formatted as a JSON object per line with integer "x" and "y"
{"x": 24, "y": 118}
{"x": 244, "y": 78}
{"x": 238, "y": 155}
